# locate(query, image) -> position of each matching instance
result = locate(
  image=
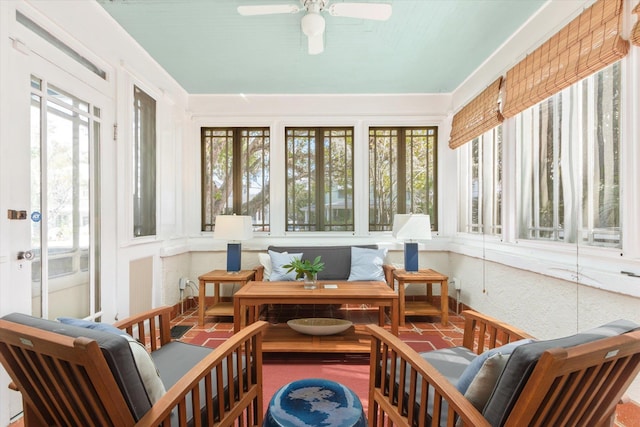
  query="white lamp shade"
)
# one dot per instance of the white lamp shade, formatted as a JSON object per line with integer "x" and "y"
{"x": 412, "y": 227}
{"x": 233, "y": 227}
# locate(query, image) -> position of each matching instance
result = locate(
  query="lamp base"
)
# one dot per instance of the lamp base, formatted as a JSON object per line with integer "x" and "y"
{"x": 411, "y": 257}
{"x": 234, "y": 252}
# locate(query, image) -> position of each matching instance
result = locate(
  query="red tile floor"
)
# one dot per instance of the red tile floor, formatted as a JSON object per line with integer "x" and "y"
{"x": 627, "y": 414}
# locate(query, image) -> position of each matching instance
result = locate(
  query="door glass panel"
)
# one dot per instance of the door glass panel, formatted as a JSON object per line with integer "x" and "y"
{"x": 64, "y": 271}
{"x": 36, "y": 265}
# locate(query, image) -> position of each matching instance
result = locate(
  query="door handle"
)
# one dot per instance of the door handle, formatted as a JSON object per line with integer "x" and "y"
{"x": 25, "y": 255}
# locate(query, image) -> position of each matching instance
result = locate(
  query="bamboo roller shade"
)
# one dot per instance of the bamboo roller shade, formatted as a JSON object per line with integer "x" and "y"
{"x": 586, "y": 45}
{"x": 477, "y": 117}
{"x": 635, "y": 33}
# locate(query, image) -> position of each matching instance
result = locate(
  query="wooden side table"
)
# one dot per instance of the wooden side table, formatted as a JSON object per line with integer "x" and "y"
{"x": 423, "y": 308}
{"x": 219, "y": 308}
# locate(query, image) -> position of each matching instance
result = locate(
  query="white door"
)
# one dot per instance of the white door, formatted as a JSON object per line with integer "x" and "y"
{"x": 51, "y": 169}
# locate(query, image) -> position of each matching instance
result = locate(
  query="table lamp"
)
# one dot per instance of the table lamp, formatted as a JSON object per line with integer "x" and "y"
{"x": 233, "y": 228}
{"x": 411, "y": 228}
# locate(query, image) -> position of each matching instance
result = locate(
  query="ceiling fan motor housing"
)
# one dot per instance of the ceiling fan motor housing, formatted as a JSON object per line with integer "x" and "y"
{"x": 312, "y": 24}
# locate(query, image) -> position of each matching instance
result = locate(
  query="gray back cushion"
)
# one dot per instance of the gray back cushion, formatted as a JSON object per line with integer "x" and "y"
{"x": 337, "y": 259}
{"x": 116, "y": 351}
{"x": 523, "y": 360}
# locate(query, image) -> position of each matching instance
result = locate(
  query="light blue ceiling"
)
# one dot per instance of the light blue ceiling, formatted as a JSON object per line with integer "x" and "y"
{"x": 427, "y": 46}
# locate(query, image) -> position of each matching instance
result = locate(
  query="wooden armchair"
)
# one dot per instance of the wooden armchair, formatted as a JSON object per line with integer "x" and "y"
{"x": 575, "y": 385}
{"x": 68, "y": 376}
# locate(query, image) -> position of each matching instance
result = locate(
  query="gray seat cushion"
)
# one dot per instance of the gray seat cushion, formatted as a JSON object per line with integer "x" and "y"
{"x": 523, "y": 360}
{"x": 337, "y": 259}
{"x": 450, "y": 362}
{"x": 116, "y": 352}
{"x": 175, "y": 359}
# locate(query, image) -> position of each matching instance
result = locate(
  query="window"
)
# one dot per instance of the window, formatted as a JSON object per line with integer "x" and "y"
{"x": 235, "y": 175}
{"x": 319, "y": 179}
{"x": 144, "y": 164}
{"x": 569, "y": 163}
{"x": 484, "y": 204}
{"x": 402, "y": 174}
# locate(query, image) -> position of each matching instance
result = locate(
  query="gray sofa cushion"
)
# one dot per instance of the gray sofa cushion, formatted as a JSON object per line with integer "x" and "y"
{"x": 116, "y": 351}
{"x": 523, "y": 360}
{"x": 337, "y": 259}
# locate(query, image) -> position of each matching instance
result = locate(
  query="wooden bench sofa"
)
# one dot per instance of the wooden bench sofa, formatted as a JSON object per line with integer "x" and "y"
{"x": 570, "y": 381}
{"x": 81, "y": 376}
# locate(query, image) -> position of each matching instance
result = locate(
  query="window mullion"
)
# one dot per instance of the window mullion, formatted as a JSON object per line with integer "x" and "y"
{"x": 401, "y": 205}
{"x": 319, "y": 171}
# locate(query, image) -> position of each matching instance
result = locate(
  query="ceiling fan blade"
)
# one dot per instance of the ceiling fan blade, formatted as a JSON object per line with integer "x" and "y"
{"x": 316, "y": 44}
{"x": 377, "y": 11}
{"x": 268, "y": 9}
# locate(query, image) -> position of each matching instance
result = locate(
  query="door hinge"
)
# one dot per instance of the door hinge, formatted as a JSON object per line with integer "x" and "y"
{"x": 115, "y": 131}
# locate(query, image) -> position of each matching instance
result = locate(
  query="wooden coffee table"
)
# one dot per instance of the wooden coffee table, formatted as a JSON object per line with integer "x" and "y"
{"x": 281, "y": 338}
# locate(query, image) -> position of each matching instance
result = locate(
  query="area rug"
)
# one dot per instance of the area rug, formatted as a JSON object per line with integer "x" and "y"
{"x": 351, "y": 370}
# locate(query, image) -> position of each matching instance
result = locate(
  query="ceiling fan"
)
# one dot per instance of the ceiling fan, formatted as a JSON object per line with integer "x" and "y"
{"x": 312, "y": 22}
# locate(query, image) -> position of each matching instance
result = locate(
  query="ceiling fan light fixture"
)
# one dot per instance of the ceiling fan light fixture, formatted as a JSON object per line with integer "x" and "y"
{"x": 312, "y": 24}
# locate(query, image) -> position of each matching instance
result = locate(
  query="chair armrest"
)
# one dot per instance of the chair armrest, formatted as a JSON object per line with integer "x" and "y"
{"x": 494, "y": 332}
{"x": 154, "y": 324}
{"x": 259, "y": 276}
{"x": 388, "y": 274}
{"x": 386, "y": 399}
{"x": 242, "y": 402}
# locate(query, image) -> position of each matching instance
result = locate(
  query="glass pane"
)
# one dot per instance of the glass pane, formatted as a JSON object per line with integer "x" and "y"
{"x": 67, "y": 213}
{"x": 144, "y": 165}
{"x": 418, "y": 182}
{"x": 338, "y": 180}
{"x": 254, "y": 146}
{"x": 36, "y": 191}
{"x": 217, "y": 152}
{"x": 601, "y": 197}
{"x": 497, "y": 180}
{"x": 301, "y": 180}
{"x": 383, "y": 154}
{"x": 546, "y": 168}
{"x": 571, "y": 186}
{"x": 476, "y": 187}
{"x": 95, "y": 218}
{"x": 64, "y": 98}
{"x": 402, "y": 171}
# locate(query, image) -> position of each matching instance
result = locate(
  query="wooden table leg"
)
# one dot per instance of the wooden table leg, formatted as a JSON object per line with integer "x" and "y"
{"x": 401, "y": 302}
{"x": 201, "y": 293}
{"x": 394, "y": 317}
{"x": 444, "y": 301}
{"x": 216, "y": 296}
{"x": 236, "y": 315}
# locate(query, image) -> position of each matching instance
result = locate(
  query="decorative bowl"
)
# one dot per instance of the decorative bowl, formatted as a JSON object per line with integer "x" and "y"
{"x": 319, "y": 325}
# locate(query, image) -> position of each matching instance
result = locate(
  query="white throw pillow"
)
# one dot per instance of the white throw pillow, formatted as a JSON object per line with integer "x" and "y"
{"x": 366, "y": 264}
{"x": 265, "y": 261}
{"x": 485, "y": 381}
{"x": 278, "y": 259}
{"x": 147, "y": 370}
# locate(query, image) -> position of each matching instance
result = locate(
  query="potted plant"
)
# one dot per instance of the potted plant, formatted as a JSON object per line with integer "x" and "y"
{"x": 307, "y": 269}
